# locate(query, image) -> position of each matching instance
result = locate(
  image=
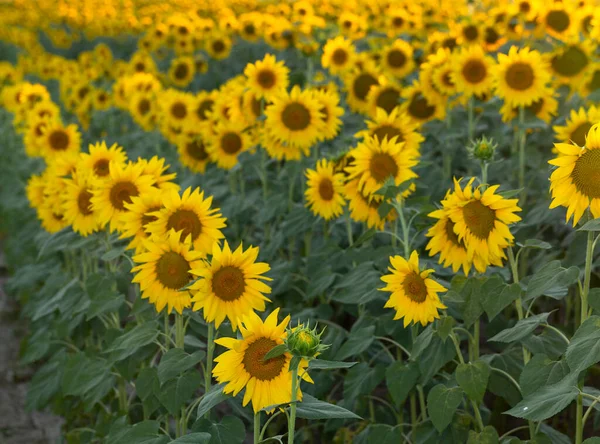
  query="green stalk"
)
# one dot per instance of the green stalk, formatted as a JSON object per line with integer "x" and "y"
{"x": 413, "y": 415}
{"x": 257, "y": 427}
{"x": 579, "y": 420}
{"x": 405, "y": 230}
{"x": 167, "y": 330}
{"x": 292, "y": 420}
{"x": 349, "y": 229}
{"x": 210, "y": 348}
{"x": 179, "y": 343}
{"x": 471, "y": 118}
{"x": 522, "y": 138}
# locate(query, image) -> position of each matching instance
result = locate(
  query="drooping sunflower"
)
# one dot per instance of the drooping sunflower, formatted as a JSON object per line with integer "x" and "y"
{"x": 575, "y": 184}
{"x": 139, "y": 215}
{"x": 358, "y": 83}
{"x": 331, "y": 113}
{"x": 243, "y": 366}
{"x": 164, "y": 269}
{"x": 521, "y": 76}
{"x": 227, "y": 143}
{"x": 338, "y": 55}
{"x": 577, "y": 125}
{"x": 111, "y": 195}
{"x": 192, "y": 152}
{"x": 397, "y": 58}
{"x": 295, "y": 118}
{"x": 230, "y": 285}
{"x": 376, "y": 161}
{"x": 414, "y": 295}
{"x": 60, "y": 139}
{"x": 324, "y": 193}
{"x": 182, "y": 71}
{"x": 472, "y": 71}
{"x": 267, "y": 76}
{"x": 77, "y": 205}
{"x": 99, "y": 158}
{"x": 192, "y": 214}
{"x": 481, "y": 219}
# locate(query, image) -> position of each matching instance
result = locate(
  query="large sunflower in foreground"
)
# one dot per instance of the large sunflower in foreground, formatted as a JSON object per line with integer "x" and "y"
{"x": 577, "y": 125}
{"x": 164, "y": 269}
{"x": 77, "y": 205}
{"x": 230, "y": 285}
{"x": 324, "y": 192}
{"x": 575, "y": 184}
{"x": 521, "y": 76}
{"x": 414, "y": 295}
{"x": 243, "y": 366}
{"x": 481, "y": 220}
{"x": 267, "y": 76}
{"x": 192, "y": 214}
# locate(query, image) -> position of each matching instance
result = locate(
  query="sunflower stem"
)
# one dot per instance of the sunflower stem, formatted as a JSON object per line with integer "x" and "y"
{"x": 413, "y": 415}
{"x": 257, "y": 427}
{"x": 292, "y": 420}
{"x": 210, "y": 348}
{"x": 167, "y": 330}
{"x": 349, "y": 229}
{"x": 179, "y": 330}
{"x": 405, "y": 230}
{"x": 471, "y": 127}
{"x": 522, "y": 137}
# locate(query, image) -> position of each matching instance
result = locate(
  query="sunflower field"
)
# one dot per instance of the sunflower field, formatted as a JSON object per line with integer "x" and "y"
{"x": 312, "y": 221}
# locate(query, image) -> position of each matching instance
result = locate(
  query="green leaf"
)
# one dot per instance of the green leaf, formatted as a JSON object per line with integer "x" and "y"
{"x": 362, "y": 379}
{"x": 214, "y": 397}
{"x": 535, "y": 374}
{"x": 112, "y": 254}
{"x": 592, "y": 225}
{"x": 444, "y": 327}
{"x": 318, "y": 285}
{"x": 359, "y": 285}
{"x": 489, "y": 435}
{"x": 145, "y": 432}
{"x": 278, "y": 350}
{"x": 177, "y": 391}
{"x": 230, "y": 430}
{"x": 547, "y": 401}
{"x": 472, "y": 308}
{"x": 422, "y": 342}
{"x": 36, "y": 346}
{"x": 380, "y": 434}
{"x": 521, "y": 329}
{"x": 442, "y": 402}
{"x": 551, "y": 280}
{"x": 496, "y": 299}
{"x": 401, "y": 377}
{"x": 510, "y": 193}
{"x": 321, "y": 364}
{"x": 358, "y": 341}
{"x": 593, "y": 440}
{"x": 82, "y": 374}
{"x": 312, "y": 408}
{"x": 594, "y": 299}
{"x": 129, "y": 342}
{"x": 45, "y": 383}
{"x": 53, "y": 303}
{"x": 584, "y": 349}
{"x": 193, "y": 438}
{"x": 175, "y": 362}
{"x": 104, "y": 298}
{"x": 364, "y": 237}
{"x": 534, "y": 243}
{"x": 473, "y": 378}
{"x": 147, "y": 383}
{"x": 438, "y": 354}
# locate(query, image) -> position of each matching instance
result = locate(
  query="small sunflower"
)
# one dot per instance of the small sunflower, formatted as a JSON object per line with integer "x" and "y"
{"x": 192, "y": 152}
{"x": 98, "y": 161}
{"x": 60, "y": 139}
{"x": 338, "y": 55}
{"x": 51, "y": 217}
{"x": 543, "y": 108}
{"x": 218, "y": 46}
{"x": 397, "y": 58}
{"x": 324, "y": 193}
{"x": 227, "y": 143}
{"x": 192, "y": 214}
{"x": 414, "y": 295}
{"x": 139, "y": 215}
{"x": 230, "y": 285}
{"x": 366, "y": 208}
{"x": 575, "y": 184}
{"x": 267, "y": 76}
{"x": 418, "y": 107}
{"x": 577, "y": 125}
{"x": 472, "y": 71}
{"x": 77, "y": 205}
{"x": 570, "y": 63}
{"x": 385, "y": 95}
{"x": 164, "y": 269}
{"x": 182, "y": 71}
{"x": 156, "y": 168}
{"x": 144, "y": 109}
{"x": 281, "y": 150}
{"x": 34, "y": 190}
{"x": 358, "y": 83}
{"x": 243, "y": 366}
{"x": 331, "y": 112}
{"x": 175, "y": 107}
{"x": 558, "y": 19}
{"x": 592, "y": 80}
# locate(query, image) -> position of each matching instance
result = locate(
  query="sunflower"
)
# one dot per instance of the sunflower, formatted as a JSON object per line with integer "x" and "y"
{"x": 192, "y": 214}
{"x": 414, "y": 295}
{"x": 324, "y": 193}
{"x": 471, "y": 71}
{"x": 395, "y": 124}
{"x": 243, "y": 366}
{"x": 575, "y": 184}
{"x": 267, "y": 76}
{"x": 35, "y": 189}
{"x": 493, "y": 38}
{"x": 218, "y": 46}
{"x": 138, "y": 216}
{"x": 376, "y": 161}
{"x": 192, "y": 152}
{"x": 281, "y": 150}
{"x": 111, "y": 195}
{"x": 156, "y": 168}
{"x": 577, "y": 125}
{"x": 543, "y": 108}
{"x": 331, "y": 112}
{"x": 60, "y": 139}
{"x": 100, "y": 157}
{"x": 143, "y": 107}
{"x": 203, "y": 105}
{"x": 592, "y": 81}
{"x": 35, "y": 136}
{"x": 77, "y": 206}
{"x": 51, "y": 217}
{"x": 164, "y": 269}
{"x": 230, "y": 285}
{"x": 570, "y": 63}
{"x": 558, "y": 18}
{"x": 418, "y": 107}
{"x": 385, "y": 95}
{"x": 175, "y": 107}
{"x": 295, "y": 118}
{"x": 338, "y": 55}
{"x": 182, "y": 71}
{"x": 521, "y": 76}
{"x": 227, "y": 143}
{"x": 481, "y": 220}
{"x": 101, "y": 100}
{"x": 397, "y": 21}
{"x": 358, "y": 83}
{"x": 397, "y": 58}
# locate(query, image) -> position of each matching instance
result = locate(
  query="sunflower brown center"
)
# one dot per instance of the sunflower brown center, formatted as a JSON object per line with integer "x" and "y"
{"x": 398, "y": 22}
{"x": 594, "y": 84}
{"x": 178, "y": 110}
{"x": 204, "y": 108}
{"x": 228, "y": 283}
{"x": 388, "y": 99}
{"x": 255, "y": 364}
{"x": 479, "y": 219}
{"x": 121, "y": 193}
{"x": 558, "y": 20}
{"x": 474, "y": 71}
{"x": 388, "y": 131}
{"x": 101, "y": 167}
{"x": 144, "y": 106}
{"x": 396, "y": 58}
{"x": 451, "y": 235}
{"x": 420, "y": 108}
{"x": 295, "y": 116}
{"x": 266, "y": 78}
{"x": 186, "y": 221}
{"x": 586, "y": 174}
{"x": 578, "y": 135}
{"x": 414, "y": 287}
{"x": 339, "y": 56}
{"x": 218, "y": 46}
{"x": 382, "y": 166}
{"x": 326, "y": 189}
{"x": 491, "y": 36}
{"x": 250, "y": 29}
{"x": 59, "y": 140}
{"x": 83, "y": 202}
{"x": 148, "y": 218}
{"x": 471, "y": 33}
{"x": 181, "y": 71}
{"x": 196, "y": 150}
{"x": 536, "y": 106}
{"x": 362, "y": 85}
{"x": 524, "y": 7}
{"x": 449, "y": 43}
{"x": 571, "y": 62}
{"x": 231, "y": 143}
{"x": 519, "y": 76}
{"x": 172, "y": 270}
{"x": 139, "y": 67}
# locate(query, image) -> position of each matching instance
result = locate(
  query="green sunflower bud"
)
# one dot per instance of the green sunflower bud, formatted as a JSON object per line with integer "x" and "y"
{"x": 305, "y": 342}
{"x": 483, "y": 149}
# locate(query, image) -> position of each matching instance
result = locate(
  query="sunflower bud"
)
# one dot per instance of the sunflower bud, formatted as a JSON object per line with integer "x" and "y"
{"x": 483, "y": 149}
{"x": 305, "y": 342}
